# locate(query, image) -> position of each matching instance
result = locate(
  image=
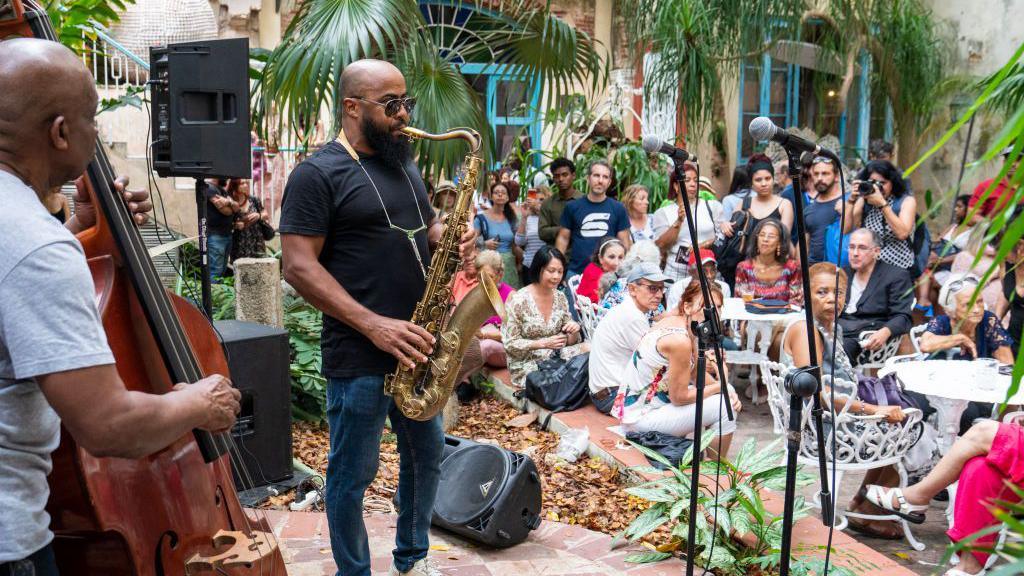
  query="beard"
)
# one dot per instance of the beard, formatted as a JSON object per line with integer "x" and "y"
{"x": 394, "y": 151}
{"x": 822, "y": 186}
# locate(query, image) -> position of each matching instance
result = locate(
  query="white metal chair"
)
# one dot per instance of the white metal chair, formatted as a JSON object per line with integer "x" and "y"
{"x": 875, "y": 359}
{"x": 862, "y": 443}
{"x": 588, "y": 316}
{"x": 915, "y": 338}
{"x": 573, "y": 282}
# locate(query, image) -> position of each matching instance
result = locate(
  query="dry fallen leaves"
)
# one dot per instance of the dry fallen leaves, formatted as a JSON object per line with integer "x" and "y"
{"x": 588, "y": 492}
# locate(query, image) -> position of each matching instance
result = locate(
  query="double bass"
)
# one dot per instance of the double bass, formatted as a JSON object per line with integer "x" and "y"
{"x": 175, "y": 512}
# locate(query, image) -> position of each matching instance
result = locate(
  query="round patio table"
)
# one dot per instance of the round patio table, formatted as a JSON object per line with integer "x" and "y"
{"x": 754, "y": 347}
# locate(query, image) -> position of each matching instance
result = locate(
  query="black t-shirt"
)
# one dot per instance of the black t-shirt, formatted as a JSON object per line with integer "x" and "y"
{"x": 329, "y": 195}
{"x": 1016, "y": 306}
{"x": 217, "y": 223}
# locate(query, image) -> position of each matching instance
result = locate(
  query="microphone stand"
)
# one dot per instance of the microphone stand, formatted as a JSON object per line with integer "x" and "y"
{"x": 709, "y": 334}
{"x": 800, "y": 384}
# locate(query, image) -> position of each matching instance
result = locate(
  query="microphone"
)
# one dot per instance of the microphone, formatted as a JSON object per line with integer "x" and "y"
{"x": 762, "y": 128}
{"x": 655, "y": 145}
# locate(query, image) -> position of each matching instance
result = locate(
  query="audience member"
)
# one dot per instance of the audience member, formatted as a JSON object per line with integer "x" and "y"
{"x": 739, "y": 188}
{"x": 527, "y": 233}
{"x": 490, "y": 262}
{"x": 879, "y": 149}
{"x": 671, "y": 230}
{"x": 826, "y": 303}
{"x": 824, "y": 209}
{"x": 764, "y": 204}
{"x": 220, "y": 219}
{"x": 976, "y": 259}
{"x": 643, "y": 251}
{"x": 606, "y": 258}
{"x": 444, "y": 197}
{"x": 588, "y": 219}
{"x": 710, "y": 265}
{"x": 658, "y": 393}
{"x": 641, "y": 224}
{"x": 563, "y": 173}
{"x": 886, "y": 209}
{"x": 942, "y": 254}
{"x": 985, "y": 460}
{"x": 768, "y": 272}
{"x": 537, "y": 323}
{"x": 1012, "y": 302}
{"x": 251, "y": 222}
{"x": 496, "y": 226}
{"x": 619, "y": 332}
{"x": 1000, "y": 195}
{"x": 879, "y": 299}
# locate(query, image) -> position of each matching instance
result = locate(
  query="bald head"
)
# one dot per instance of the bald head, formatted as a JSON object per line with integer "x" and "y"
{"x": 362, "y": 77}
{"x": 47, "y": 112}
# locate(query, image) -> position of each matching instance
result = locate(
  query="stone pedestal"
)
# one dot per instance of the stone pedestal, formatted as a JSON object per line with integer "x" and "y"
{"x": 258, "y": 291}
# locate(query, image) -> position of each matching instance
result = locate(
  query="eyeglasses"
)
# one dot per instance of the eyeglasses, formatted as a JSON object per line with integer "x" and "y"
{"x": 653, "y": 288}
{"x": 956, "y": 285}
{"x": 391, "y": 107}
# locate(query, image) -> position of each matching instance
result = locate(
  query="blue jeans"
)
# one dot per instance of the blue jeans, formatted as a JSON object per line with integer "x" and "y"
{"x": 218, "y": 248}
{"x": 356, "y": 409}
{"x": 41, "y": 563}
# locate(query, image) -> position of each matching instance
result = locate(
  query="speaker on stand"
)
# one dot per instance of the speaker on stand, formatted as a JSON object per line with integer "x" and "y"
{"x": 487, "y": 494}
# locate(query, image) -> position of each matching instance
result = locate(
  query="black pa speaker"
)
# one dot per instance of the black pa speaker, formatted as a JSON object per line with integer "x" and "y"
{"x": 258, "y": 357}
{"x": 487, "y": 494}
{"x": 200, "y": 114}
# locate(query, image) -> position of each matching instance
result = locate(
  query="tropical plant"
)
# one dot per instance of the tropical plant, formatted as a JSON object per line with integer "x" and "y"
{"x": 300, "y": 77}
{"x": 734, "y": 503}
{"x": 309, "y": 387}
{"x": 72, "y": 18}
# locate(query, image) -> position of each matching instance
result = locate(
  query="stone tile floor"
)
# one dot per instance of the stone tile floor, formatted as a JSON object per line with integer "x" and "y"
{"x": 553, "y": 549}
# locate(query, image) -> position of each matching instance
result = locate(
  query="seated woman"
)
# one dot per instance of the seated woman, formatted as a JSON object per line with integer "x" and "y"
{"x": 642, "y": 251}
{"x": 769, "y": 272}
{"x": 826, "y": 303}
{"x": 606, "y": 258}
{"x": 537, "y": 323}
{"x": 943, "y": 252}
{"x": 985, "y": 459}
{"x": 978, "y": 335}
{"x": 658, "y": 393}
{"x": 489, "y": 262}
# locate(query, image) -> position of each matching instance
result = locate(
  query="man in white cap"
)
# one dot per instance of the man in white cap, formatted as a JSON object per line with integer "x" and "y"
{"x": 620, "y": 331}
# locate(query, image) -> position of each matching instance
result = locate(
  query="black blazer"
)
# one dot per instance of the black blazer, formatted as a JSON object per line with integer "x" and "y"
{"x": 885, "y": 302}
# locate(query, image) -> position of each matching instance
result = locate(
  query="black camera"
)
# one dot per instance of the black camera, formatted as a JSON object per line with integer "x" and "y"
{"x": 869, "y": 186}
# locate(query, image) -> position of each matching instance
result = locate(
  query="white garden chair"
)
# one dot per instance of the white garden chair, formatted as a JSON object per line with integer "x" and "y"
{"x": 862, "y": 444}
{"x": 588, "y": 316}
{"x": 875, "y": 359}
{"x": 573, "y": 282}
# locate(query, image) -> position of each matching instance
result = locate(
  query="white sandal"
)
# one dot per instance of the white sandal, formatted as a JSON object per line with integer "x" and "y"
{"x": 882, "y": 497}
{"x": 959, "y": 572}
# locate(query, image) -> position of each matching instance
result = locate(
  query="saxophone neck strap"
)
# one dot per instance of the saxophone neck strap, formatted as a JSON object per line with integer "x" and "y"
{"x": 343, "y": 140}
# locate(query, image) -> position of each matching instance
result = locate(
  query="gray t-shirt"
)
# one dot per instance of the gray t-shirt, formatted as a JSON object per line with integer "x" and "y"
{"x": 48, "y": 323}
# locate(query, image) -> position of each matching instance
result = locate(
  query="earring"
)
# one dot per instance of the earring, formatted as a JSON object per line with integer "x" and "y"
{"x": 778, "y": 251}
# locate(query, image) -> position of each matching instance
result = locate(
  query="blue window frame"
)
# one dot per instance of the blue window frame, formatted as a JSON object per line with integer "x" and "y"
{"x": 772, "y": 88}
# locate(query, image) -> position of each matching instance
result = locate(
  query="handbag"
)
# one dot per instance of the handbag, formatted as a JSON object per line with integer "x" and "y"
{"x": 888, "y": 390}
{"x": 765, "y": 306}
{"x": 673, "y": 448}
{"x": 559, "y": 385}
{"x": 266, "y": 230}
{"x": 729, "y": 252}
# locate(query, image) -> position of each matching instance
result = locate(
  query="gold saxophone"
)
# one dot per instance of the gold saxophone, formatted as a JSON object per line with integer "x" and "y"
{"x": 422, "y": 392}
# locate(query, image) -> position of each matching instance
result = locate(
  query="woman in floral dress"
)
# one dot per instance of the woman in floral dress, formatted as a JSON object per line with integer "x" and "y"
{"x": 538, "y": 324}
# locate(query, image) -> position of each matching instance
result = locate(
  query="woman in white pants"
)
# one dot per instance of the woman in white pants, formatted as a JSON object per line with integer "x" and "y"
{"x": 658, "y": 392}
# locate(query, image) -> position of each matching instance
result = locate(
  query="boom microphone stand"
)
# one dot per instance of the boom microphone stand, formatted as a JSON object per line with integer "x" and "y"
{"x": 800, "y": 384}
{"x": 709, "y": 334}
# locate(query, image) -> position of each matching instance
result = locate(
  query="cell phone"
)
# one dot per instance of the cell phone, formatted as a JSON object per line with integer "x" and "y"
{"x": 683, "y": 255}
{"x": 531, "y": 194}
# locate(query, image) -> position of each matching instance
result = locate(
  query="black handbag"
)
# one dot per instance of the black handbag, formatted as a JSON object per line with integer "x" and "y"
{"x": 729, "y": 252}
{"x": 673, "y": 448}
{"x": 558, "y": 385}
{"x": 266, "y": 230}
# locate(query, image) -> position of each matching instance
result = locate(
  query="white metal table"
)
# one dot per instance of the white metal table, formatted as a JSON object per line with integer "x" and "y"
{"x": 758, "y": 339}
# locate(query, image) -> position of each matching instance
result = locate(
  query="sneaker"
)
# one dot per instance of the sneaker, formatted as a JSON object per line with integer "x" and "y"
{"x": 421, "y": 568}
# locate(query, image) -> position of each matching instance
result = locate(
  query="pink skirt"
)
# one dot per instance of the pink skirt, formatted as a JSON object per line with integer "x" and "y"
{"x": 983, "y": 481}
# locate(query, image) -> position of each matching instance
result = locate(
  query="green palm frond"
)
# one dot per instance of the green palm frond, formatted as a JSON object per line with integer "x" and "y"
{"x": 300, "y": 77}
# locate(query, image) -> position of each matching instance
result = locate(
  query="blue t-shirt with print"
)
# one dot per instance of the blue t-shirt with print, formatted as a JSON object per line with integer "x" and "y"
{"x": 588, "y": 222}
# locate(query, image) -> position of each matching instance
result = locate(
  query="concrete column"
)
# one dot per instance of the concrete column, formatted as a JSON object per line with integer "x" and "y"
{"x": 270, "y": 25}
{"x": 258, "y": 291}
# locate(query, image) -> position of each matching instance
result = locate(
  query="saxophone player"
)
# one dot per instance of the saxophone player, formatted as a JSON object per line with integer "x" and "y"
{"x": 356, "y": 235}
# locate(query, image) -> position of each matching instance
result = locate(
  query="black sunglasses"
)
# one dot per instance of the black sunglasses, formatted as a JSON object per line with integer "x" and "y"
{"x": 391, "y": 107}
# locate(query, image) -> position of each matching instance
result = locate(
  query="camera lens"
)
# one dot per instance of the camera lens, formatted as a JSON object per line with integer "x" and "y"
{"x": 864, "y": 188}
